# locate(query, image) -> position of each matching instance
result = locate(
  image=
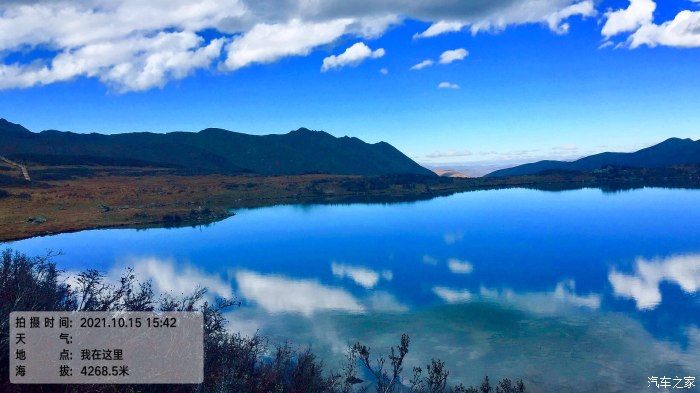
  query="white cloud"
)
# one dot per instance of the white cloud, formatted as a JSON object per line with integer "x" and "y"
{"x": 459, "y": 267}
{"x": 448, "y": 85}
{"x": 637, "y": 14}
{"x": 446, "y": 57}
{"x": 551, "y": 13}
{"x": 127, "y": 44}
{"x": 64, "y": 24}
{"x": 681, "y": 32}
{"x": 266, "y": 43}
{"x": 643, "y": 285}
{"x": 362, "y": 276}
{"x": 452, "y": 295}
{"x": 384, "y": 71}
{"x": 134, "y": 45}
{"x": 131, "y": 64}
{"x": 278, "y": 294}
{"x": 440, "y": 27}
{"x": 450, "y": 56}
{"x": 352, "y": 56}
{"x": 555, "y": 19}
{"x": 423, "y": 64}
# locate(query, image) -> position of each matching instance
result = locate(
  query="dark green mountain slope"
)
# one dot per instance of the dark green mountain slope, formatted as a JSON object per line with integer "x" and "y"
{"x": 673, "y": 151}
{"x": 211, "y": 150}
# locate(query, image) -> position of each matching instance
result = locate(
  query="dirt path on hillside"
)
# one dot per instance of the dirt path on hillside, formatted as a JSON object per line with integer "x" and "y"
{"x": 21, "y": 167}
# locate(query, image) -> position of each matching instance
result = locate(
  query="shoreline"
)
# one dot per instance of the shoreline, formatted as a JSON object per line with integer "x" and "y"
{"x": 139, "y": 201}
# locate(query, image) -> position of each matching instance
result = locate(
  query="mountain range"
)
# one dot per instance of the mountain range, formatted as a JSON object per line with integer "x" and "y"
{"x": 671, "y": 152}
{"x": 212, "y": 150}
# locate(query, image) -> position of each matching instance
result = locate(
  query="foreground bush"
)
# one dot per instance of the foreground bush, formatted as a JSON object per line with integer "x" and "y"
{"x": 232, "y": 362}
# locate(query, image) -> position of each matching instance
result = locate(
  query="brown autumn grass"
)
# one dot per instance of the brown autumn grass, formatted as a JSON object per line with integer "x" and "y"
{"x": 109, "y": 200}
{"x": 64, "y": 199}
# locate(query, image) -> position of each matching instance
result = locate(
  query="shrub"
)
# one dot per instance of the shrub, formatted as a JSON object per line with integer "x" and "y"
{"x": 170, "y": 220}
{"x": 232, "y": 362}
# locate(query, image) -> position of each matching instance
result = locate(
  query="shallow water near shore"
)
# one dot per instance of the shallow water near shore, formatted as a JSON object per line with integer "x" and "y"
{"x": 572, "y": 291}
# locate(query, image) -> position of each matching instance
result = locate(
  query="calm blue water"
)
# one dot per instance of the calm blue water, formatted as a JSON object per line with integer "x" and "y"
{"x": 569, "y": 290}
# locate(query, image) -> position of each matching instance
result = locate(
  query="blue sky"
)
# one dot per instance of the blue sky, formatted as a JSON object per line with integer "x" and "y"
{"x": 527, "y": 89}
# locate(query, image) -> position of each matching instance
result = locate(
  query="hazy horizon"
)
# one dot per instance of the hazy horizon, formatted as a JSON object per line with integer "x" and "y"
{"x": 470, "y": 163}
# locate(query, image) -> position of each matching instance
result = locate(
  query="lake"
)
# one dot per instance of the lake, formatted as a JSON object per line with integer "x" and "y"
{"x": 572, "y": 291}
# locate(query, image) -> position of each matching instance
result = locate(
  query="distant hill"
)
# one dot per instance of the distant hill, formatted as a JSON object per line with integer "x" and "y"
{"x": 449, "y": 173}
{"x": 673, "y": 151}
{"x": 211, "y": 150}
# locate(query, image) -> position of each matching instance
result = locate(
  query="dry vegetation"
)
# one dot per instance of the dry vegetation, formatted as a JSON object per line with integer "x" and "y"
{"x": 232, "y": 362}
{"x": 62, "y": 199}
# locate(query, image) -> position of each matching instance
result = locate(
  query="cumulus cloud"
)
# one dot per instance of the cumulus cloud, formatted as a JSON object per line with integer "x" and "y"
{"x": 440, "y": 27}
{"x": 278, "y": 294}
{"x": 446, "y": 57}
{"x": 450, "y": 295}
{"x": 643, "y": 285}
{"x": 422, "y": 64}
{"x": 637, "y": 14}
{"x": 459, "y": 267}
{"x": 127, "y": 44}
{"x": 266, "y": 43}
{"x": 681, "y": 32}
{"x": 450, "y": 56}
{"x": 134, "y": 45}
{"x": 362, "y": 276}
{"x": 384, "y": 71}
{"x": 132, "y": 64}
{"x": 448, "y": 85}
{"x": 552, "y": 13}
{"x": 555, "y": 20}
{"x": 352, "y": 56}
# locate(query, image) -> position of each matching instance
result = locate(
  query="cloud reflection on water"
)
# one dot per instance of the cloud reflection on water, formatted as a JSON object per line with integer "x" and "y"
{"x": 279, "y": 294}
{"x": 450, "y": 295}
{"x": 563, "y": 298}
{"x": 181, "y": 279}
{"x": 643, "y": 285}
{"x": 497, "y": 331}
{"x": 576, "y": 351}
{"x": 459, "y": 267}
{"x": 361, "y": 275}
